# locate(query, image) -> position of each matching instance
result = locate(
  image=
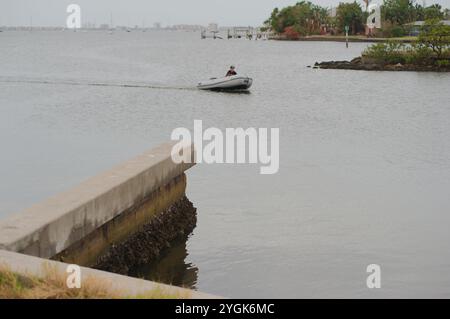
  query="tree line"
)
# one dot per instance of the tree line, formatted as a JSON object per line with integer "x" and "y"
{"x": 305, "y": 18}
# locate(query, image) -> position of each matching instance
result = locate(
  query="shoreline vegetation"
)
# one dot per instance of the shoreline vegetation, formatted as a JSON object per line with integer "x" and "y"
{"x": 430, "y": 52}
{"x": 412, "y": 37}
{"x": 343, "y": 38}
{"x": 359, "y": 63}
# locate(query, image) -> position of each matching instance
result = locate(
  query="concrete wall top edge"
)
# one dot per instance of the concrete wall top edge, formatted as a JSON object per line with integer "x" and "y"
{"x": 95, "y": 201}
{"x": 29, "y": 265}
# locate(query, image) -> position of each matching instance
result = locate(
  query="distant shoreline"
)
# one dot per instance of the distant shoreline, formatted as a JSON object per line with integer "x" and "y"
{"x": 360, "y": 63}
{"x": 341, "y": 38}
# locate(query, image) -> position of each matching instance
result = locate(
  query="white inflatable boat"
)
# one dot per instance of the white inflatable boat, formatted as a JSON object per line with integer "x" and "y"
{"x": 229, "y": 83}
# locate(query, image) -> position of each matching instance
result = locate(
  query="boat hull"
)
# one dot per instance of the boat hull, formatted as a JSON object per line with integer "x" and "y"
{"x": 230, "y": 83}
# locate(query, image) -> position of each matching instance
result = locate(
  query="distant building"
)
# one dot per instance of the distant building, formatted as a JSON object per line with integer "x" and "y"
{"x": 416, "y": 27}
{"x": 240, "y": 32}
{"x": 187, "y": 27}
{"x": 213, "y": 27}
{"x": 421, "y": 23}
{"x": 332, "y": 12}
{"x": 89, "y": 25}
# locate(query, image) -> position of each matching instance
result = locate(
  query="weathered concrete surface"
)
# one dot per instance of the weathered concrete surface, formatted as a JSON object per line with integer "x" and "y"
{"x": 48, "y": 228}
{"x": 128, "y": 287}
{"x": 93, "y": 249}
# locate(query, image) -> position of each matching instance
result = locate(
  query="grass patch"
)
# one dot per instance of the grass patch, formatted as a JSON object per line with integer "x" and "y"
{"x": 53, "y": 286}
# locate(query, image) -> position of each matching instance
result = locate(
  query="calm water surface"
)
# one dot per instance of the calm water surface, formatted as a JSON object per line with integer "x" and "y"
{"x": 364, "y": 157}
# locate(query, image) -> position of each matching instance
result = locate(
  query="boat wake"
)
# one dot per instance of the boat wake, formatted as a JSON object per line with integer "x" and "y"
{"x": 101, "y": 84}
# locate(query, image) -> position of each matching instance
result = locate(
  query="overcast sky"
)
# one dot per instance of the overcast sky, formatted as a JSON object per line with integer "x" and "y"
{"x": 147, "y": 12}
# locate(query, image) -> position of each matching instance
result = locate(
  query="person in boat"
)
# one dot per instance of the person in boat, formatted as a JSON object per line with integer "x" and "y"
{"x": 231, "y": 71}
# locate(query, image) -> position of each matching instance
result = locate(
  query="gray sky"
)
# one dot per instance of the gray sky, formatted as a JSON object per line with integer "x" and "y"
{"x": 137, "y": 12}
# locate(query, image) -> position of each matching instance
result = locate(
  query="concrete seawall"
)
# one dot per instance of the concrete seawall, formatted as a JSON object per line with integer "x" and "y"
{"x": 98, "y": 222}
{"x": 126, "y": 287}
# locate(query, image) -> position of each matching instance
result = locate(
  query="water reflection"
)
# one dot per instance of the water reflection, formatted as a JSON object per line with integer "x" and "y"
{"x": 171, "y": 268}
